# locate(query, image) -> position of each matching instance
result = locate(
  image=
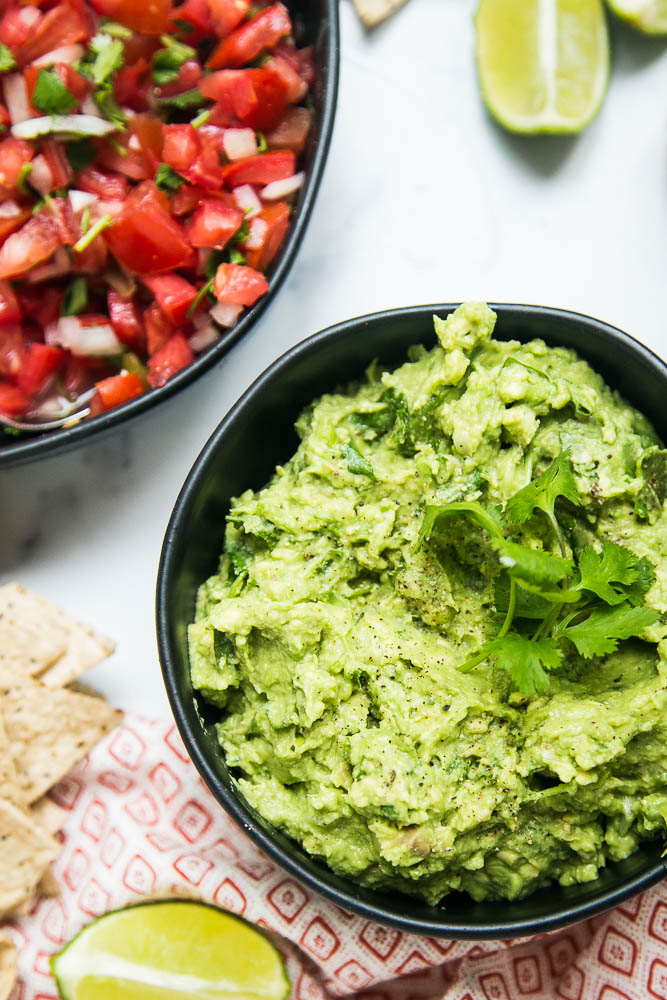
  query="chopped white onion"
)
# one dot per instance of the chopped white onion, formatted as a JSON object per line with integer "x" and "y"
{"x": 247, "y": 200}
{"x": 81, "y": 199}
{"x": 121, "y": 281}
{"x": 62, "y": 124}
{"x": 281, "y": 189}
{"x": 102, "y": 208}
{"x": 256, "y": 233}
{"x": 28, "y": 15}
{"x": 59, "y": 264}
{"x": 9, "y": 209}
{"x": 133, "y": 143}
{"x": 225, "y": 313}
{"x": 41, "y": 175}
{"x": 65, "y": 54}
{"x": 204, "y": 337}
{"x": 16, "y": 97}
{"x": 70, "y": 333}
{"x": 238, "y": 143}
{"x": 88, "y": 107}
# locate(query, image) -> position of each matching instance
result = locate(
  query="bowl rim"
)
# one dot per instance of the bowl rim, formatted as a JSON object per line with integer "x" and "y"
{"x": 233, "y": 805}
{"x": 30, "y": 448}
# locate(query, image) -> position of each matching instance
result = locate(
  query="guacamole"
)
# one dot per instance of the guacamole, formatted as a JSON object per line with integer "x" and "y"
{"x": 333, "y": 637}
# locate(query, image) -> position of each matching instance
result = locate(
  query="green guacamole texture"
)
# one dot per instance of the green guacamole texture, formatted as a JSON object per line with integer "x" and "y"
{"x": 331, "y": 641}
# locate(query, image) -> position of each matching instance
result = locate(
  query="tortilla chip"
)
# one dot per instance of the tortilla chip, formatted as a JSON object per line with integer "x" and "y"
{"x": 9, "y": 782}
{"x": 85, "y": 649}
{"x": 48, "y": 814}
{"x": 50, "y": 730}
{"x": 372, "y": 12}
{"x": 48, "y": 884}
{"x": 8, "y": 966}
{"x": 25, "y": 852}
{"x": 31, "y": 636}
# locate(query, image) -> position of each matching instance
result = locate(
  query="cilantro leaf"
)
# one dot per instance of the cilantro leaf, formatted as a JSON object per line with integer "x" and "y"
{"x": 525, "y": 660}
{"x": 488, "y": 519}
{"x": 610, "y": 572}
{"x": 535, "y": 568}
{"x": 528, "y": 605}
{"x": 80, "y": 154}
{"x": 542, "y": 493}
{"x": 104, "y": 56}
{"x": 168, "y": 61}
{"x": 51, "y": 95}
{"x": 599, "y": 633}
{"x": 190, "y": 99}
{"x": 76, "y": 298}
{"x": 356, "y": 463}
{"x": 651, "y": 498}
{"x": 167, "y": 179}
{"x": 7, "y": 60}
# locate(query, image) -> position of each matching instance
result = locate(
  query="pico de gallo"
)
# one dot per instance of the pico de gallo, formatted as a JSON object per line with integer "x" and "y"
{"x": 149, "y": 158}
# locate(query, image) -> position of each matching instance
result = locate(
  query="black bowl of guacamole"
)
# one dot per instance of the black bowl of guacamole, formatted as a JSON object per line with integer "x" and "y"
{"x": 259, "y": 435}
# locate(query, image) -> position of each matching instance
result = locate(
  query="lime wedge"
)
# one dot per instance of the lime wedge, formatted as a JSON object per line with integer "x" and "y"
{"x": 543, "y": 64}
{"x": 173, "y": 951}
{"x": 649, "y": 16}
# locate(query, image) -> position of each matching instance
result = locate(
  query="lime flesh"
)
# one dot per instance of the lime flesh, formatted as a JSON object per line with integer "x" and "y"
{"x": 173, "y": 950}
{"x": 648, "y": 16}
{"x": 543, "y": 64}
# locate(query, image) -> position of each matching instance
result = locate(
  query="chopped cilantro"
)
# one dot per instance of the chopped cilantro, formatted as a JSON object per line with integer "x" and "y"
{"x": 185, "y": 27}
{"x": 262, "y": 144}
{"x": 203, "y": 291}
{"x": 213, "y": 263}
{"x": 236, "y": 257}
{"x": 201, "y": 119}
{"x": 614, "y": 574}
{"x": 167, "y": 179}
{"x": 190, "y": 99}
{"x": 599, "y": 632}
{"x": 80, "y": 154}
{"x": 242, "y": 233}
{"x": 103, "y": 57}
{"x": 356, "y": 463}
{"x": 51, "y": 95}
{"x": 168, "y": 61}
{"x": 93, "y": 232}
{"x": 542, "y": 493}
{"x": 114, "y": 29}
{"x": 7, "y": 60}
{"x": 76, "y": 298}
{"x": 22, "y": 181}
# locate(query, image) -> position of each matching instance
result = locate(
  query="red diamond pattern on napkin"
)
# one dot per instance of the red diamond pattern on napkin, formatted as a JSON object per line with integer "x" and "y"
{"x": 142, "y": 824}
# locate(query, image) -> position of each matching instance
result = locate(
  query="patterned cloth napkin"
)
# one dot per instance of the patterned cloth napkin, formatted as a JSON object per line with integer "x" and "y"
{"x": 142, "y": 824}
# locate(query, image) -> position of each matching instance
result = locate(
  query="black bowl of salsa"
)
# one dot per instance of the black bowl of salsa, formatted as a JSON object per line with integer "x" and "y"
{"x": 257, "y": 435}
{"x": 315, "y": 33}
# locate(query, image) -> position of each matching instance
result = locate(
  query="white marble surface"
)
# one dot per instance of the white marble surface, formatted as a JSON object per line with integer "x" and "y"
{"x": 423, "y": 200}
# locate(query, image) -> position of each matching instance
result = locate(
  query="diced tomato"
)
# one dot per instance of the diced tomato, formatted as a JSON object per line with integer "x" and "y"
{"x": 33, "y": 243}
{"x": 228, "y": 14}
{"x": 150, "y": 18}
{"x": 187, "y": 198}
{"x": 267, "y": 232}
{"x": 148, "y": 131}
{"x": 77, "y": 85}
{"x": 80, "y": 374}
{"x": 173, "y": 294}
{"x": 10, "y": 310}
{"x": 286, "y": 49}
{"x": 10, "y": 224}
{"x": 140, "y": 47}
{"x": 62, "y": 25}
{"x": 239, "y": 285}
{"x": 12, "y": 350}
{"x": 109, "y": 186}
{"x": 175, "y": 355}
{"x": 14, "y": 29}
{"x": 126, "y": 321}
{"x": 206, "y": 170}
{"x": 128, "y": 88}
{"x": 213, "y": 224}
{"x": 40, "y": 364}
{"x": 93, "y": 259}
{"x": 264, "y": 31}
{"x": 158, "y": 328}
{"x": 196, "y": 13}
{"x": 181, "y": 146}
{"x": 295, "y": 88}
{"x": 119, "y": 389}
{"x": 132, "y": 162}
{"x": 147, "y": 240}
{"x": 4, "y": 116}
{"x": 54, "y": 153}
{"x": 60, "y": 211}
{"x": 233, "y": 89}
{"x": 13, "y": 402}
{"x": 262, "y": 169}
{"x": 13, "y": 154}
{"x": 40, "y": 303}
{"x": 292, "y": 132}
{"x": 188, "y": 77}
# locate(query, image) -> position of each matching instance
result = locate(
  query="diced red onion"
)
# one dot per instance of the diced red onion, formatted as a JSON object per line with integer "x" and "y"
{"x": 59, "y": 264}
{"x": 225, "y": 313}
{"x": 81, "y": 199}
{"x": 16, "y": 96}
{"x": 238, "y": 143}
{"x": 62, "y": 125}
{"x": 281, "y": 189}
{"x": 65, "y": 54}
{"x": 88, "y": 107}
{"x": 41, "y": 176}
{"x": 28, "y": 15}
{"x": 247, "y": 200}
{"x": 69, "y": 332}
{"x": 256, "y": 233}
{"x": 122, "y": 282}
{"x": 9, "y": 209}
{"x": 204, "y": 337}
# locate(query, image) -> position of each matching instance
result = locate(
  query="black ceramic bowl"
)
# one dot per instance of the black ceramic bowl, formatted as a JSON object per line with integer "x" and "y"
{"x": 255, "y": 436}
{"x": 316, "y": 24}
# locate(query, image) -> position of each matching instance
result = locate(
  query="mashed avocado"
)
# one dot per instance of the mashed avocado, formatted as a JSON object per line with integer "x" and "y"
{"x": 333, "y": 635}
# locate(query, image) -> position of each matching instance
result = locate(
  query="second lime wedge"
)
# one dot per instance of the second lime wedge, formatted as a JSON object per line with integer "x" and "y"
{"x": 173, "y": 951}
{"x": 648, "y": 16}
{"x": 543, "y": 64}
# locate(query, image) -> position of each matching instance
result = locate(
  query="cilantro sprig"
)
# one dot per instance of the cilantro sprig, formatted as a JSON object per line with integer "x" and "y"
{"x": 587, "y": 598}
{"x": 167, "y": 61}
{"x": 51, "y": 95}
{"x": 104, "y": 56}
